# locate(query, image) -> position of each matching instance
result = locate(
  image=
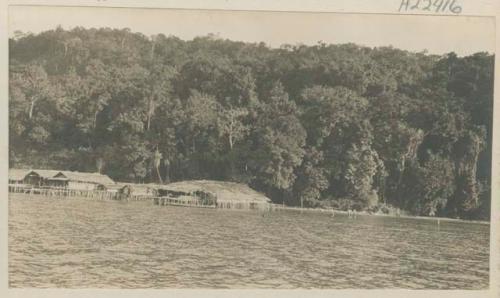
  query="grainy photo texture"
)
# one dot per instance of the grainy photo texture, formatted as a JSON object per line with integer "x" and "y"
{"x": 156, "y": 148}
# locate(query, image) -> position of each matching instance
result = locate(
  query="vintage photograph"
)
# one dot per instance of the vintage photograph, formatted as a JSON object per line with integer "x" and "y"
{"x": 212, "y": 149}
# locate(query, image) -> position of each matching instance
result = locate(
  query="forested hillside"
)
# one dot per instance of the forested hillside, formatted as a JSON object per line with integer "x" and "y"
{"x": 341, "y": 125}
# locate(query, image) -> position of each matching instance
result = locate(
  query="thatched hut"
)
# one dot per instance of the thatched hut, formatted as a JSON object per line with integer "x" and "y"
{"x": 16, "y": 180}
{"x": 80, "y": 180}
{"x": 16, "y": 176}
{"x": 40, "y": 178}
{"x": 219, "y": 193}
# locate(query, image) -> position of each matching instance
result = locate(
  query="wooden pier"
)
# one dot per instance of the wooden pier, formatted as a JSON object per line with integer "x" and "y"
{"x": 182, "y": 201}
{"x": 193, "y": 201}
{"x": 243, "y": 205}
{"x": 196, "y": 199}
{"x": 68, "y": 193}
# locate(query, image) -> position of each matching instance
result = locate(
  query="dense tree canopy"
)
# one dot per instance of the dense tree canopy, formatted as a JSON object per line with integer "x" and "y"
{"x": 337, "y": 125}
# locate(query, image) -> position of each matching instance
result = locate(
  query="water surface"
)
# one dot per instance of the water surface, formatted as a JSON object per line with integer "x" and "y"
{"x": 77, "y": 243}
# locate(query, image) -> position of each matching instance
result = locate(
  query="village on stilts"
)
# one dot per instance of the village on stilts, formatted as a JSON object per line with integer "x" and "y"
{"x": 196, "y": 193}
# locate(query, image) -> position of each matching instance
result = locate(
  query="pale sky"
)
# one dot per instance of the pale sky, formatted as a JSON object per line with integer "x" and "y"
{"x": 436, "y": 34}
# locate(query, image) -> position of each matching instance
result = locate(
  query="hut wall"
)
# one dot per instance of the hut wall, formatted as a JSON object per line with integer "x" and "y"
{"x": 77, "y": 185}
{"x": 15, "y": 181}
{"x": 33, "y": 180}
{"x": 56, "y": 183}
{"x": 142, "y": 192}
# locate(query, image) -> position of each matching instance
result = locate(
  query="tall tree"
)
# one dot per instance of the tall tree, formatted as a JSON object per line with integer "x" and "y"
{"x": 279, "y": 141}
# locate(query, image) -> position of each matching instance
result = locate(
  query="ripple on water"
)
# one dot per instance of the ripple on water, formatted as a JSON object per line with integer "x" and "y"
{"x": 93, "y": 244}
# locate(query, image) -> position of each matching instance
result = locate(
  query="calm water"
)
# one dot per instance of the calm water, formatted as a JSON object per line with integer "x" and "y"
{"x": 93, "y": 244}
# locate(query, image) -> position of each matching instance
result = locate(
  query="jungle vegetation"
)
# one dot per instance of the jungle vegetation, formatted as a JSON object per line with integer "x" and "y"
{"x": 324, "y": 125}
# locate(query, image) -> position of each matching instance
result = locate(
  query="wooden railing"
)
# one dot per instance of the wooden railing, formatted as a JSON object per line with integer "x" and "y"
{"x": 193, "y": 201}
{"x": 197, "y": 202}
{"x": 172, "y": 201}
{"x": 65, "y": 192}
{"x": 62, "y": 192}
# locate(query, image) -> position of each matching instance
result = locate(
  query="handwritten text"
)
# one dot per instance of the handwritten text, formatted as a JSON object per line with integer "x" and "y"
{"x": 435, "y": 6}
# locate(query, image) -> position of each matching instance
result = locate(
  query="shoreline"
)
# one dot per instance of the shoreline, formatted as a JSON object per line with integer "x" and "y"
{"x": 364, "y": 213}
{"x": 278, "y": 207}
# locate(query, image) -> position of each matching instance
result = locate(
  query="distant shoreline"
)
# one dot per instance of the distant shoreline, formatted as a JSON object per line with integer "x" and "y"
{"x": 278, "y": 207}
{"x": 364, "y": 213}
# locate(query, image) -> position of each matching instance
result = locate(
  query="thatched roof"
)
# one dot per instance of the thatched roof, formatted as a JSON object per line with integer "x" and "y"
{"x": 17, "y": 174}
{"x": 225, "y": 191}
{"x": 95, "y": 178}
{"x": 44, "y": 173}
{"x": 136, "y": 186}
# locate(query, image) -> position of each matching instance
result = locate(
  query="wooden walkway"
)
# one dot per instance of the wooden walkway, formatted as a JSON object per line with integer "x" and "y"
{"x": 183, "y": 201}
{"x": 170, "y": 201}
{"x": 194, "y": 201}
{"x": 68, "y": 193}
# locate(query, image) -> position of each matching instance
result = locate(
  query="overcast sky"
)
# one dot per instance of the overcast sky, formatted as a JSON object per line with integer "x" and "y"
{"x": 437, "y": 35}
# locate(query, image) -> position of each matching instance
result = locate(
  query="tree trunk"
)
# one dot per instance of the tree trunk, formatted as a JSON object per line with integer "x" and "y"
{"x": 230, "y": 139}
{"x": 156, "y": 163}
{"x": 150, "y": 103}
{"x": 95, "y": 119}
{"x": 99, "y": 165}
{"x": 150, "y": 112}
{"x": 65, "y": 49}
{"x": 158, "y": 173}
{"x": 32, "y": 107}
{"x": 231, "y": 158}
{"x": 167, "y": 174}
